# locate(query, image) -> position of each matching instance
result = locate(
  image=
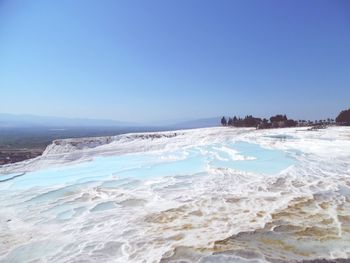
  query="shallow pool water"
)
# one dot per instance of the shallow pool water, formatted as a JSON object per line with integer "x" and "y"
{"x": 241, "y": 156}
{"x": 254, "y": 159}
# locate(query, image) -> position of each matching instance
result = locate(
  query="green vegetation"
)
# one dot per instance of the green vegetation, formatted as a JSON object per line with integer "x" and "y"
{"x": 343, "y": 118}
{"x": 277, "y": 121}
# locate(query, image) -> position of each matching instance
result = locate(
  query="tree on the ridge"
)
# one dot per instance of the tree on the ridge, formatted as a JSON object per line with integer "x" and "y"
{"x": 223, "y": 121}
{"x": 343, "y": 117}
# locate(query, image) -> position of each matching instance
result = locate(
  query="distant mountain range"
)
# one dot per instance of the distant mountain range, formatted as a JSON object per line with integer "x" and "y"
{"x": 28, "y": 120}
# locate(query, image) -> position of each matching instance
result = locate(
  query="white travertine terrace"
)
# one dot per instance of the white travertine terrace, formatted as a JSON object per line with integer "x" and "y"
{"x": 181, "y": 195}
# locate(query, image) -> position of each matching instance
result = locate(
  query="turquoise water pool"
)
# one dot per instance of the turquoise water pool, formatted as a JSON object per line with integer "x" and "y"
{"x": 239, "y": 156}
{"x": 263, "y": 160}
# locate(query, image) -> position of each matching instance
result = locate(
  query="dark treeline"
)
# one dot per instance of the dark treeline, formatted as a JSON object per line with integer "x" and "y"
{"x": 277, "y": 121}
{"x": 281, "y": 121}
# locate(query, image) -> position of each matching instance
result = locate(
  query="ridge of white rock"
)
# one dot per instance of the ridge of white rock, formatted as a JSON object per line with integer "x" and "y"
{"x": 64, "y": 151}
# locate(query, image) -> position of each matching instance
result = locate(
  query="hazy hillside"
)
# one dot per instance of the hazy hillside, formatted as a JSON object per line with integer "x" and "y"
{"x": 34, "y": 121}
{"x": 27, "y": 120}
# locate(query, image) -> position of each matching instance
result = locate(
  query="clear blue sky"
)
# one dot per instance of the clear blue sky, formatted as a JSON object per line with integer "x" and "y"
{"x": 178, "y": 59}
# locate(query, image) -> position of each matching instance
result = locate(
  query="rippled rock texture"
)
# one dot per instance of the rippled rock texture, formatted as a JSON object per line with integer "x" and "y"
{"x": 206, "y": 195}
